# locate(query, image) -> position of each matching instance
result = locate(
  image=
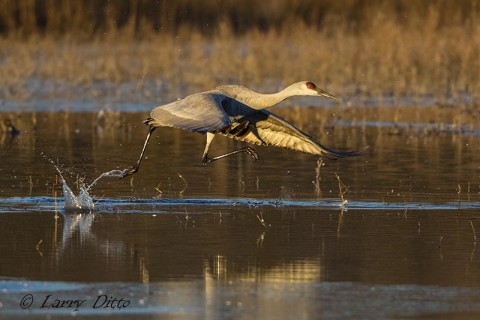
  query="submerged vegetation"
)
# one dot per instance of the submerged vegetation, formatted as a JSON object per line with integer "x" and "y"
{"x": 144, "y": 50}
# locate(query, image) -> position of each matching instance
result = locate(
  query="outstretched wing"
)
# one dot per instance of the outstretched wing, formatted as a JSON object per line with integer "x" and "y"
{"x": 201, "y": 113}
{"x": 268, "y": 129}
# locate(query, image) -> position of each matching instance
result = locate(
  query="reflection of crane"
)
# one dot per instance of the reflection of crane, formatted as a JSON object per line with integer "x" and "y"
{"x": 238, "y": 112}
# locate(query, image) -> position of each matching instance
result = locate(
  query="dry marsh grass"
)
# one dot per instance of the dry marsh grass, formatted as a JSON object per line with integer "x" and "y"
{"x": 377, "y": 52}
{"x": 141, "y": 18}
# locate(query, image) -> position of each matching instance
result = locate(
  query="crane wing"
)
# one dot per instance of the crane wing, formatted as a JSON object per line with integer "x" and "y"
{"x": 201, "y": 113}
{"x": 268, "y": 129}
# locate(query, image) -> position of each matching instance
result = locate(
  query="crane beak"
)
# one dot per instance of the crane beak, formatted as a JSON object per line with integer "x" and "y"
{"x": 325, "y": 94}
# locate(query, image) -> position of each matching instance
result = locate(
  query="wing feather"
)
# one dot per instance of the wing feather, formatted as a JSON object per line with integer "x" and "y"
{"x": 268, "y": 129}
{"x": 201, "y": 113}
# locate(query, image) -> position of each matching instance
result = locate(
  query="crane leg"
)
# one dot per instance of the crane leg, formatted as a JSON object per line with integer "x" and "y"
{"x": 206, "y": 159}
{"x": 133, "y": 169}
{"x": 248, "y": 150}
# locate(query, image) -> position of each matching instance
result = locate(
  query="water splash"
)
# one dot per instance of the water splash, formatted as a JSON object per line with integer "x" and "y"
{"x": 84, "y": 200}
{"x": 110, "y": 174}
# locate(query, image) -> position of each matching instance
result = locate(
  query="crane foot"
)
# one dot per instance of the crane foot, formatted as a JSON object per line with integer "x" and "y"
{"x": 129, "y": 171}
{"x": 251, "y": 152}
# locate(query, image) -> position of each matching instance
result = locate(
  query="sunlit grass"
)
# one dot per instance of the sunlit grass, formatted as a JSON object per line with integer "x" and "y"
{"x": 382, "y": 60}
{"x": 356, "y": 50}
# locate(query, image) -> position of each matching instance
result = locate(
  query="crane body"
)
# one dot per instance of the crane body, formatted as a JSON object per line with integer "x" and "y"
{"x": 239, "y": 113}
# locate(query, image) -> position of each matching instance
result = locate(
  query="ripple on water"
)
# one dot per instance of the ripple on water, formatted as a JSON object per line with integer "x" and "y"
{"x": 153, "y": 205}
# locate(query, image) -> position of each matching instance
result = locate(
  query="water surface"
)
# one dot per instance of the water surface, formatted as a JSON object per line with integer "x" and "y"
{"x": 239, "y": 238}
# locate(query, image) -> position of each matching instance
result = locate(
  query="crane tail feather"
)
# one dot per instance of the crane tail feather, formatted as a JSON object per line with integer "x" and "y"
{"x": 335, "y": 154}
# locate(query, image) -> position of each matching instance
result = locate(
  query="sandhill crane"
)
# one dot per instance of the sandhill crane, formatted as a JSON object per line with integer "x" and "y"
{"x": 239, "y": 113}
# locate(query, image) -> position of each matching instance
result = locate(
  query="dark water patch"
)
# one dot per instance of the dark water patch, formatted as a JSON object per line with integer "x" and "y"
{"x": 221, "y": 260}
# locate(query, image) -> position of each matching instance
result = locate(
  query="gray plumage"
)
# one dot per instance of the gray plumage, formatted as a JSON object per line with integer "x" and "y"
{"x": 238, "y": 112}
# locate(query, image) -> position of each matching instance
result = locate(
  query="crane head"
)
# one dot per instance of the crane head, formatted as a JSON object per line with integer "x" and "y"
{"x": 314, "y": 90}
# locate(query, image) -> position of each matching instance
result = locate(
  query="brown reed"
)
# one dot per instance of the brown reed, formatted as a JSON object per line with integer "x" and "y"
{"x": 392, "y": 48}
{"x": 140, "y": 18}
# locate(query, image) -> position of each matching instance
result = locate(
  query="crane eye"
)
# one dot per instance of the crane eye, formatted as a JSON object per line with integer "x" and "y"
{"x": 311, "y": 85}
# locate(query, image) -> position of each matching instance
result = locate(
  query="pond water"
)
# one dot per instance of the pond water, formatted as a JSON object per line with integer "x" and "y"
{"x": 391, "y": 234}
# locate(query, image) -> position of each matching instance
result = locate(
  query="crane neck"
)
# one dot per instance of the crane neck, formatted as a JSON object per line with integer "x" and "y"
{"x": 262, "y": 101}
{"x": 254, "y": 99}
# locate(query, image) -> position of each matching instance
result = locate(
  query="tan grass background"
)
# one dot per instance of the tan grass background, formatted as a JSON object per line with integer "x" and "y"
{"x": 352, "y": 48}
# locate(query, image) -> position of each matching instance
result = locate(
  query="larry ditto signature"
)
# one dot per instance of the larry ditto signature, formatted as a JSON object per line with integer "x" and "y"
{"x": 48, "y": 301}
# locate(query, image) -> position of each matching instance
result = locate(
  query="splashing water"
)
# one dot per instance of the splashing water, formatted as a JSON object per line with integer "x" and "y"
{"x": 83, "y": 200}
{"x": 110, "y": 174}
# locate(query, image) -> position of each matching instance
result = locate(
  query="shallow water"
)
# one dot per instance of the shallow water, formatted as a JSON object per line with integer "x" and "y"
{"x": 239, "y": 238}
